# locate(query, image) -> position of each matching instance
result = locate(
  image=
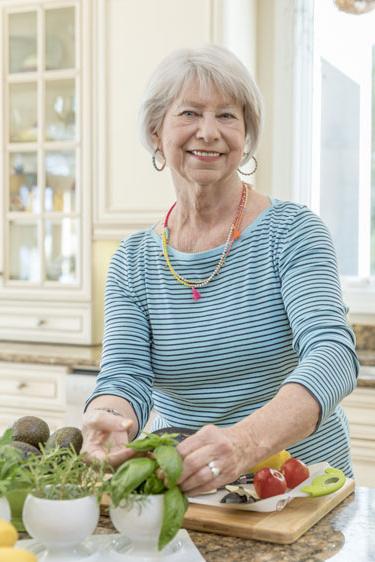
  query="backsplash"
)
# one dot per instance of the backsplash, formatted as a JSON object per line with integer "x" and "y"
{"x": 365, "y": 336}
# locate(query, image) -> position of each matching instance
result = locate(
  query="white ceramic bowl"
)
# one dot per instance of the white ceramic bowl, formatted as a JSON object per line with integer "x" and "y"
{"x": 4, "y": 509}
{"x": 141, "y": 522}
{"x": 60, "y": 524}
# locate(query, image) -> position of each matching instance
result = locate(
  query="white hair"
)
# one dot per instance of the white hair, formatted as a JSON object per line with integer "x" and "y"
{"x": 210, "y": 65}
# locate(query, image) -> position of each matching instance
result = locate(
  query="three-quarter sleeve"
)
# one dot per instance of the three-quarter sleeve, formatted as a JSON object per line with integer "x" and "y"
{"x": 322, "y": 338}
{"x": 126, "y": 363}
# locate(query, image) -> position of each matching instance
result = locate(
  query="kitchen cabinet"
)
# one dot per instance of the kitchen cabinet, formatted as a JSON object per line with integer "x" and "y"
{"x": 45, "y": 168}
{"x": 359, "y": 407}
{"x": 72, "y": 168}
{"x": 33, "y": 390}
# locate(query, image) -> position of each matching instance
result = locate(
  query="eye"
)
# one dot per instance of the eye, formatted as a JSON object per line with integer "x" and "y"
{"x": 228, "y": 116}
{"x": 188, "y": 113}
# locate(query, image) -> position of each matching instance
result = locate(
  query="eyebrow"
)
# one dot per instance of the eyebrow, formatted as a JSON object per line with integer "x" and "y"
{"x": 200, "y": 105}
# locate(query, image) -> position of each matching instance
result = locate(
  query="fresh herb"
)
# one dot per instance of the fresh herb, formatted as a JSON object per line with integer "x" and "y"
{"x": 175, "y": 505}
{"x": 130, "y": 476}
{"x": 62, "y": 474}
{"x": 11, "y": 465}
{"x": 155, "y": 470}
{"x": 151, "y": 441}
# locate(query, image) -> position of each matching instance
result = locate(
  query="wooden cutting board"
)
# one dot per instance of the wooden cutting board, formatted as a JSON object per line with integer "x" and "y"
{"x": 282, "y": 527}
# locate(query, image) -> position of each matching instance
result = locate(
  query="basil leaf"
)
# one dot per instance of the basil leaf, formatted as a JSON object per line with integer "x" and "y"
{"x": 154, "y": 485}
{"x": 129, "y": 476}
{"x": 175, "y": 506}
{"x": 170, "y": 462}
{"x": 152, "y": 441}
{"x": 6, "y": 437}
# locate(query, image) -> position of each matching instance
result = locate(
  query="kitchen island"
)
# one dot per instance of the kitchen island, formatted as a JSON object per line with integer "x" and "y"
{"x": 346, "y": 534}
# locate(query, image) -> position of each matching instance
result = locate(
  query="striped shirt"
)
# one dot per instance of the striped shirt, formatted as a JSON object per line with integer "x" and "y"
{"x": 274, "y": 315}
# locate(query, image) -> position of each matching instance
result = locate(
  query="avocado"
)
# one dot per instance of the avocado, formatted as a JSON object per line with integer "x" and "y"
{"x": 30, "y": 429}
{"x": 25, "y": 448}
{"x": 64, "y": 437}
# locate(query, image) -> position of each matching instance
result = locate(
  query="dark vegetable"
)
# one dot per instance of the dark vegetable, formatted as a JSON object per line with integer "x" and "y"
{"x": 66, "y": 437}
{"x": 175, "y": 506}
{"x": 30, "y": 429}
{"x": 233, "y": 497}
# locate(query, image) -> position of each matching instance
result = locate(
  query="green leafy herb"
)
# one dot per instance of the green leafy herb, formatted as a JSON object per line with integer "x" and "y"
{"x": 151, "y": 441}
{"x": 130, "y": 476}
{"x": 153, "y": 485}
{"x": 155, "y": 470}
{"x": 62, "y": 473}
{"x": 6, "y": 437}
{"x": 175, "y": 506}
{"x": 170, "y": 462}
{"x": 10, "y": 468}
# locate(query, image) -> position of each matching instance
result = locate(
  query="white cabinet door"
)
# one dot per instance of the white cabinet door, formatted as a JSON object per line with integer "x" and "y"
{"x": 360, "y": 409}
{"x": 45, "y": 159}
{"x": 132, "y": 38}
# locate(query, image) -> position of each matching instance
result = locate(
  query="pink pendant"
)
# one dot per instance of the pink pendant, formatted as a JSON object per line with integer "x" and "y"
{"x": 196, "y": 294}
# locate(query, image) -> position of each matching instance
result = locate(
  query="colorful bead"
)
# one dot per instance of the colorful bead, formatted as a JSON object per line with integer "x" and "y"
{"x": 233, "y": 234}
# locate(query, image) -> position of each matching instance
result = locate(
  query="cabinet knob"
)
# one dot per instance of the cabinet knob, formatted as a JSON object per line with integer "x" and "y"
{"x": 21, "y": 385}
{"x": 41, "y": 322}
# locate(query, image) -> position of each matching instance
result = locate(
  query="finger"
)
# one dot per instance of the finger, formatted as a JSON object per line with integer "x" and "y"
{"x": 204, "y": 489}
{"x": 104, "y": 421}
{"x": 195, "y": 461}
{"x": 199, "y": 479}
{"x": 191, "y": 443}
{"x": 117, "y": 457}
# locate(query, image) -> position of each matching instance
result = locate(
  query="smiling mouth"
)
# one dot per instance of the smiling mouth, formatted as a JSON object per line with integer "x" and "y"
{"x": 205, "y": 153}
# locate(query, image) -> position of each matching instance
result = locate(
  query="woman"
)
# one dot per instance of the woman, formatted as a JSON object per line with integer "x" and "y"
{"x": 227, "y": 316}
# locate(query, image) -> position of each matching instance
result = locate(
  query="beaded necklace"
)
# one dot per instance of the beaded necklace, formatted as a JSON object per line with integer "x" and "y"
{"x": 233, "y": 234}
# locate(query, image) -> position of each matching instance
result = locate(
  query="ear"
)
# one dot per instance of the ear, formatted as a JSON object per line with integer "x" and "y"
{"x": 155, "y": 139}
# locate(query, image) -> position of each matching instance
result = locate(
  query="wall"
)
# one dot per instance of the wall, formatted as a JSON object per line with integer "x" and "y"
{"x": 138, "y": 35}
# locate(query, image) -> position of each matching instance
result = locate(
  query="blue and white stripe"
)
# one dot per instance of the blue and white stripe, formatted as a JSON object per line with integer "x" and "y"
{"x": 274, "y": 315}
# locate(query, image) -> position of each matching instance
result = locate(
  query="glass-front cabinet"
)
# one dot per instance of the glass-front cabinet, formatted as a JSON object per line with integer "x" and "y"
{"x": 45, "y": 127}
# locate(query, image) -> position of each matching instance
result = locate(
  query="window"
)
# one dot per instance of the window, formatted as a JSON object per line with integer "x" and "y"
{"x": 334, "y": 125}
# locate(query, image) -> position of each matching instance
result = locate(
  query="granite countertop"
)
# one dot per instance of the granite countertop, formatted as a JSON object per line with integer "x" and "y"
{"x": 88, "y": 357}
{"x": 347, "y": 533}
{"x": 74, "y": 356}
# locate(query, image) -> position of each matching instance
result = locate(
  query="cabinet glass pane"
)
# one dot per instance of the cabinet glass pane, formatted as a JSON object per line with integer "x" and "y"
{"x": 23, "y": 252}
{"x": 60, "y": 110}
{"x": 60, "y": 244}
{"x": 23, "y": 112}
{"x": 23, "y": 182}
{"x": 22, "y": 42}
{"x": 60, "y": 38}
{"x": 60, "y": 190}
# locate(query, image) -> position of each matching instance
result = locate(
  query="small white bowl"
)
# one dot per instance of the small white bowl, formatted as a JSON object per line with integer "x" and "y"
{"x": 140, "y": 521}
{"x": 61, "y": 525}
{"x": 4, "y": 509}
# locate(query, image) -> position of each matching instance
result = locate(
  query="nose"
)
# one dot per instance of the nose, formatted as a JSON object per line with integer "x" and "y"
{"x": 208, "y": 128}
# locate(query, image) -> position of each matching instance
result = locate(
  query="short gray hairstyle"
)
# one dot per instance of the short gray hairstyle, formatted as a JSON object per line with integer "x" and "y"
{"x": 210, "y": 65}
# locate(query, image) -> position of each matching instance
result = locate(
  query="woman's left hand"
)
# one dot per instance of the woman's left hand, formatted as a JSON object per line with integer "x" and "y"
{"x": 212, "y": 450}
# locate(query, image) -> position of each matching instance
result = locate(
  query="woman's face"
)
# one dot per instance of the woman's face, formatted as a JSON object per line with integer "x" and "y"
{"x": 203, "y": 135}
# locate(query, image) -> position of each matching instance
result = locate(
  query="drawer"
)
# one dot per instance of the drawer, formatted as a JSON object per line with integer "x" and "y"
{"x": 30, "y": 386}
{"x": 57, "y": 323}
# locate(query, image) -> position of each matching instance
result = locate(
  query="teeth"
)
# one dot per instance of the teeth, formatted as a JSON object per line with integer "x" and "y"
{"x": 205, "y": 153}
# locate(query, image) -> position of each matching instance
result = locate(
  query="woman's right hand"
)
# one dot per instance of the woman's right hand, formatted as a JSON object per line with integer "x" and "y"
{"x": 105, "y": 436}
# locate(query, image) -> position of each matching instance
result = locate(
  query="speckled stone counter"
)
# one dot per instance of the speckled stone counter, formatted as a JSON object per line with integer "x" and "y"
{"x": 74, "y": 356}
{"x": 347, "y": 534}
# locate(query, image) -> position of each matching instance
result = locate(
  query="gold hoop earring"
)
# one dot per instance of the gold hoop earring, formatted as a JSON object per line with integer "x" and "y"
{"x": 252, "y": 171}
{"x": 154, "y": 160}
